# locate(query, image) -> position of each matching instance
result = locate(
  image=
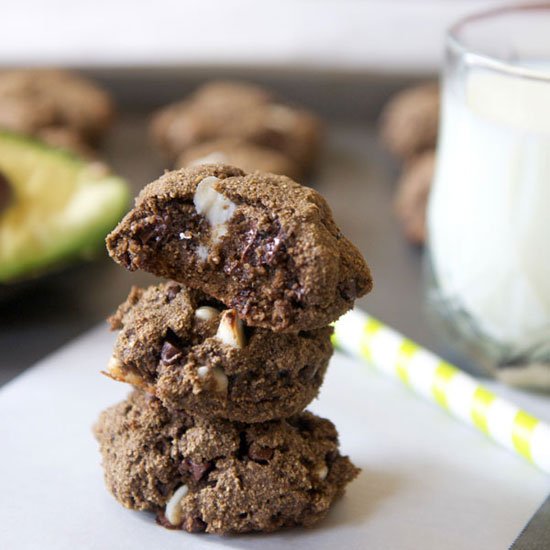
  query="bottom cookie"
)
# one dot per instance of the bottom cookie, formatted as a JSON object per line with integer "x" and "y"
{"x": 219, "y": 476}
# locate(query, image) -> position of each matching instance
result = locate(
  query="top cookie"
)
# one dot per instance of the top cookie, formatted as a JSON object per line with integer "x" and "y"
{"x": 261, "y": 244}
{"x": 35, "y": 100}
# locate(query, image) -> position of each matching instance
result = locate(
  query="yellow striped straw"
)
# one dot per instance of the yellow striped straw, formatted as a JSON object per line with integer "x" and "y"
{"x": 440, "y": 382}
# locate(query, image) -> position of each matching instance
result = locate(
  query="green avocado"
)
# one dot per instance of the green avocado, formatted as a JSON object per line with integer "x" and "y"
{"x": 60, "y": 206}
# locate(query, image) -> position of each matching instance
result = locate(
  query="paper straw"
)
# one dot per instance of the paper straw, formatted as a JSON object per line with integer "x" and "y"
{"x": 444, "y": 384}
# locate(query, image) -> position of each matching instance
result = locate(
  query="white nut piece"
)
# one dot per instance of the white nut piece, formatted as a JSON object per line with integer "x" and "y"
{"x": 114, "y": 364}
{"x": 216, "y": 208}
{"x": 173, "y": 508}
{"x": 206, "y": 313}
{"x": 202, "y": 372}
{"x": 220, "y": 378}
{"x": 202, "y": 252}
{"x": 322, "y": 472}
{"x": 231, "y": 330}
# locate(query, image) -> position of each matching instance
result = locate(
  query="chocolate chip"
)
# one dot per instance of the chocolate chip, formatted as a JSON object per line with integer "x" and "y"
{"x": 308, "y": 372}
{"x": 193, "y": 525}
{"x": 172, "y": 290}
{"x": 147, "y": 234}
{"x": 273, "y": 249}
{"x": 260, "y": 454}
{"x": 162, "y": 520}
{"x": 6, "y": 192}
{"x": 197, "y": 469}
{"x": 331, "y": 456}
{"x": 161, "y": 446}
{"x": 162, "y": 488}
{"x": 170, "y": 353}
{"x": 348, "y": 290}
{"x": 263, "y": 247}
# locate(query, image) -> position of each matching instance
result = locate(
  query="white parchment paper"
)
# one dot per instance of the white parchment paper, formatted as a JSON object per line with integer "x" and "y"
{"x": 427, "y": 482}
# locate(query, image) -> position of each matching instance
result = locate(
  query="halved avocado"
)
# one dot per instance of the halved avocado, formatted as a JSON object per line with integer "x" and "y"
{"x": 61, "y": 207}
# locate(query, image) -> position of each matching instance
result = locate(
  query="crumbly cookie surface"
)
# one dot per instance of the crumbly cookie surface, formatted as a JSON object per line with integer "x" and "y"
{"x": 237, "y": 111}
{"x": 261, "y": 244}
{"x": 36, "y": 100}
{"x": 193, "y": 354}
{"x": 247, "y": 156}
{"x": 217, "y": 476}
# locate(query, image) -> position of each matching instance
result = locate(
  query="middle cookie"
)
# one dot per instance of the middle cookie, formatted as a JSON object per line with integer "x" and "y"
{"x": 194, "y": 355}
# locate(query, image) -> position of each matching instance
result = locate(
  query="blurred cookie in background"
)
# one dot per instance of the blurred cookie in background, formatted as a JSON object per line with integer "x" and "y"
{"x": 66, "y": 138}
{"x": 204, "y": 115}
{"x": 248, "y": 156}
{"x": 409, "y": 125}
{"x": 410, "y": 120}
{"x": 240, "y": 111}
{"x": 411, "y": 199}
{"x": 55, "y": 105}
{"x": 226, "y": 95}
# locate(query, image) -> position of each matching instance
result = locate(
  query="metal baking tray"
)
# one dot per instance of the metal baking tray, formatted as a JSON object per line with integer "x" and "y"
{"x": 355, "y": 174}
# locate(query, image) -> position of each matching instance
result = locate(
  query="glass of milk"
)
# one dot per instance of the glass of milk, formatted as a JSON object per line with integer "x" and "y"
{"x": 489, "y": 210}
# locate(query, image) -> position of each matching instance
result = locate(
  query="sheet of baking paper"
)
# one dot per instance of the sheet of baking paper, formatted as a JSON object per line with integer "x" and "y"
{"x": 427, "y": 482}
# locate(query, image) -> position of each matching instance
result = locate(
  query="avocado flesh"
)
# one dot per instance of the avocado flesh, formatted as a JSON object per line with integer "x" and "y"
{"x": 62, "y": 206}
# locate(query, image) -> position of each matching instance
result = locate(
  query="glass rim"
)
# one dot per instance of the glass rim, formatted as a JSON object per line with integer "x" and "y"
{"x": 476, "y": 57}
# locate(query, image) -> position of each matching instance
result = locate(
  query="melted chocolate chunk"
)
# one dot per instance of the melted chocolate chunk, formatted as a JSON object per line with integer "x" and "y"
{"x": 348, "y": 290}
{"x": 172, "y": 290}
{"x": 197, "y": 469}
{"x": 330, "y": 457}
{"x": 170, "y": 353}
{"x": 308, "y": 372}
{"x": 193, "y": 525}
{"x": 260, "y": 454}
{"x": 264, "y": 247}
{"x": 162, "y": 520}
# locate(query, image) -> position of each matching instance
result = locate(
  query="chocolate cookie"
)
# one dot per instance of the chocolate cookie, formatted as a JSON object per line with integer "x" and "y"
{"x": 32, "y": 100}
{"x": 221, "y": 102}
{"x": 218, "y": 476}
{"x": 409, "y": 122}
{"x": 247, "y": 156}
{"x": 68, "y": 139}
{"x": 195, "y": 355}
{"x": 227, "y": 95}
{"x": 412, "y": 195}
{"x": 261, "y": 244}
{"x": 237, "y": 111}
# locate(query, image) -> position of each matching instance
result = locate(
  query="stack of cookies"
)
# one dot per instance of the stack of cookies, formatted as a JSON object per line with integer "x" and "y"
{"x": 240, "y": 124}
{"x": 225, "y": 356}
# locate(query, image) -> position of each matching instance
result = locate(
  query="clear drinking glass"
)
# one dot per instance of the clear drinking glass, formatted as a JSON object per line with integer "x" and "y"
{"x": 489, "y": 210}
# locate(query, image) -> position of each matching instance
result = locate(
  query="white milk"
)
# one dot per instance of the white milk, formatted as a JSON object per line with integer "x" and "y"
{"x": 489, "y": 211}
